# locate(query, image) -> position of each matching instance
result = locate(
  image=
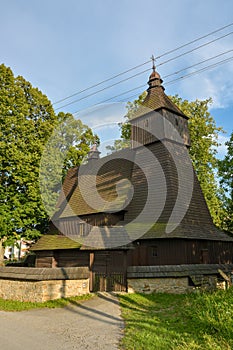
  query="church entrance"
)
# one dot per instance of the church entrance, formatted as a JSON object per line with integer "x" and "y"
{"x": 108, "y": 271}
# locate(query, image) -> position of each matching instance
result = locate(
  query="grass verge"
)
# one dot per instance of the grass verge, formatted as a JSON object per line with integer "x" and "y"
{"x": 170, "y": 322}
{"x": 13, "y": 305}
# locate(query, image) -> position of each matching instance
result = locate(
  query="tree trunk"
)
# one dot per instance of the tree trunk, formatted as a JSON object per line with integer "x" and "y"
{"x": 2, "y": 251}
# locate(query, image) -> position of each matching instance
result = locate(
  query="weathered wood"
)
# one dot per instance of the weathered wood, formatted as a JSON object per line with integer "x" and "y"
{"x": 180, "y": 251}
{"x": 225, "y": 277}
{"x": 91, "y": 262}
{"x": 110, "y": 282}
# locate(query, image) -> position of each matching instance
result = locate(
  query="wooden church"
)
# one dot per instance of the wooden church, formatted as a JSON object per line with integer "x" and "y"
{"x": 155, "y": 173}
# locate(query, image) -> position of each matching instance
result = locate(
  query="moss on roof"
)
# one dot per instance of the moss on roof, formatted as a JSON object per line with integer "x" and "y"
{"x": 53, "y": 242}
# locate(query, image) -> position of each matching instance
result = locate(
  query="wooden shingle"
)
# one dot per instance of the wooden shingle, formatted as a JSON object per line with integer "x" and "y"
{"x": 54, "y": 242}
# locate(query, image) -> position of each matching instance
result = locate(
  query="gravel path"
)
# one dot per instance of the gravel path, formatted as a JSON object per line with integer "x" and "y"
{"x": 93, "y": 324}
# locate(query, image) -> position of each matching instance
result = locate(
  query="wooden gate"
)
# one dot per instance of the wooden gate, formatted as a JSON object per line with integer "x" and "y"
{"x": 114, "y": 281}
{"x": 109, "y": 271}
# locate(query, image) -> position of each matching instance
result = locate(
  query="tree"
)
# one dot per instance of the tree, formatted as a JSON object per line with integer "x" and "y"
{"x": 125, "y": 128}
{"x": 27, "y": 121}
{"x": 67, "y": 147}
{"x": 204, "y": 140}
{"x": 226, "y": 181}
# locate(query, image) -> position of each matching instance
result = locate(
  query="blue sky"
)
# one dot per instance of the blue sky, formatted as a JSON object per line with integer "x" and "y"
{"x": 62, "y": 47}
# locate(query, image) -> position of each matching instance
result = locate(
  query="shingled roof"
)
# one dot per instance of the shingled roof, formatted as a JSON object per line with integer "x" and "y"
{"x": 156, "y": 99}
{"x": 55, "y": 242}
{"x": 113, "y": 170}
{"x": 120, "y": 167}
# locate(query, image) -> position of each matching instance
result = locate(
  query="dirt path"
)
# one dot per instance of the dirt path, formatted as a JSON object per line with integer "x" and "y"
{"x": 93, "y": 324}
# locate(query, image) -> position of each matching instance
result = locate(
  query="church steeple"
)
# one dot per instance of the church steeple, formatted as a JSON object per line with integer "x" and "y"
{"x": 156, "y": 100}
{"x": 154, "y": 79}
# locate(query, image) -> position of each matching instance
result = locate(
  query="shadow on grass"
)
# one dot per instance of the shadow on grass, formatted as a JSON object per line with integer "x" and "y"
{"x": 166, "y": 321}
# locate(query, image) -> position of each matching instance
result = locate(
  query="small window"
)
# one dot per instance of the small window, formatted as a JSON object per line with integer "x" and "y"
{"x": 146, "y": 123}
{"x": 154, "y": 252}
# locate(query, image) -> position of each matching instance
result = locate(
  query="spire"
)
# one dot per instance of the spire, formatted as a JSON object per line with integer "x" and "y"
{"x": 154, "y": 79}
{"x": 153, "y": 62}
{"x": 156, "y": 98}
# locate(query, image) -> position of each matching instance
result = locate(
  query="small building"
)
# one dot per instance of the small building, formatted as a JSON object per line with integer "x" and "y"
{"x": 18, "y": 250}
{"x": 145, "y": 209}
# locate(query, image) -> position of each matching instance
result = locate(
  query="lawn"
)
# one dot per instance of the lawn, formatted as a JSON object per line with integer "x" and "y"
{"x": 185, "y": 322}
{"x": 13, "y": 305}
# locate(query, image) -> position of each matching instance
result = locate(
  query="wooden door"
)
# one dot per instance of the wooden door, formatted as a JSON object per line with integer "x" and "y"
{"x": 109, "y": 271}
{"x": 114, "y": 281}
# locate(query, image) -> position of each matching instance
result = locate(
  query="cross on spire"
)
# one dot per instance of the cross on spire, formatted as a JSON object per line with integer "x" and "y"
{"x": 153, "y": 62}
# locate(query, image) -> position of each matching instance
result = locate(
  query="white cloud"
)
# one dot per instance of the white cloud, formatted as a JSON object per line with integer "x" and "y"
{"x": 103, "y": 114}
{"x": 64, "y": 47}
{"x": 213, "y": 83}
{"x": 104, "y": 120}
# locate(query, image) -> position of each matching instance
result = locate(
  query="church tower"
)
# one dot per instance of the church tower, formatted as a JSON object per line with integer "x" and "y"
{"x": 155, "y": 127}
{"x": 145, "y": 124}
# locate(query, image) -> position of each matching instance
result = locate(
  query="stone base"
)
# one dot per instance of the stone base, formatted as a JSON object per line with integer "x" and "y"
{"x": 40, "y": 291}
{"x": 42, "y": 284}
{"x": 158, "y": 285}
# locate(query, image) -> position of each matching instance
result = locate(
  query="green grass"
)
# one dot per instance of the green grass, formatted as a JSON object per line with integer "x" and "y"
{"x": 185, "y": 322}
{"x": 13, "y": 305}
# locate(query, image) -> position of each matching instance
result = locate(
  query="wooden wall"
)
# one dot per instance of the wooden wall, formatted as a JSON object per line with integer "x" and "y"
{"x": 103, "y": 261}
{"x": 109, "y": 261}
{"x": 62, "y": 258}
{"x": 146, "y": 253}
{"x": 152, "y": 127}
{"x": 81, "y": 226}
{"x": 45, "y": 259}
{"x": 180, "y": 251}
